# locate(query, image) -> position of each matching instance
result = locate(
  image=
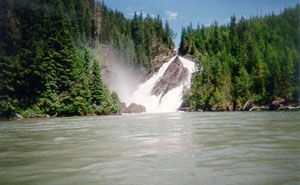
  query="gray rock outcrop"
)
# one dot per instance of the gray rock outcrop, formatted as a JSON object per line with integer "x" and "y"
{"x": 174, "y": 76}
{"x": 133, "y": 108}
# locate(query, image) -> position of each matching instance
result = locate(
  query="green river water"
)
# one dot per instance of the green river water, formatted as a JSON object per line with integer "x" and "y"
{"x": 153, "y": 149}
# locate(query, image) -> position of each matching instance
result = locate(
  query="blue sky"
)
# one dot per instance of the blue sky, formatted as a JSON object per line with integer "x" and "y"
{"x": 181, "y": 13}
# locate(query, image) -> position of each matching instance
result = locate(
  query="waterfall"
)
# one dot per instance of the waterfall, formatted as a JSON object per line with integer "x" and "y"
{"x": 170, "y": 101}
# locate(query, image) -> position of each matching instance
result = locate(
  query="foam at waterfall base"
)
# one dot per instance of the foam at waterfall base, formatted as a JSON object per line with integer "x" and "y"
{"x": 172, "y": 100}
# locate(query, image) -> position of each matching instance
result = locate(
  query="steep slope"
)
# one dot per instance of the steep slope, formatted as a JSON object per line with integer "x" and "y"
{"x": 164, "y": 90}
{"x": 46, "y": 66}
{"x": 251, "y": 59}
{"x": 145, "y": 41}
{"x": 48, "y": 55}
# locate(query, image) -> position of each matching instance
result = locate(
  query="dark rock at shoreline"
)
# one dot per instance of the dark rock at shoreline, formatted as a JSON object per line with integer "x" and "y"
{"x": 123, "y": 107}
{"x": 132, "y": 108}
{"x": 172, "y": 78}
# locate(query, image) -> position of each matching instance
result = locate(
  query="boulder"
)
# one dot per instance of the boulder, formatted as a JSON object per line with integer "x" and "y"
{"x": 123, "y": 107}
{"x": 133, "y": 108}
{"x": 174, "y": 76}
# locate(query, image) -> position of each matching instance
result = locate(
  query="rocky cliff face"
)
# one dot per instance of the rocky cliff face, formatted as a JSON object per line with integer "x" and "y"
{"x": 132, "y": 108}
{"x": 124, "y": 78}
{"x": 113, "y": 58}
{"x": 159, "y": 60}
{"x": 121, "y": 76}
{"x": 174, "y": 76}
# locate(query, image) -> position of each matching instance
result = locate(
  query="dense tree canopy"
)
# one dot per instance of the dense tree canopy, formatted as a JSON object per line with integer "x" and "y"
{"x": 47, "y": 67}
{"x": 141, "y": 38}
{"x": 45, "y": 63}
{"x": 256, "y": 58}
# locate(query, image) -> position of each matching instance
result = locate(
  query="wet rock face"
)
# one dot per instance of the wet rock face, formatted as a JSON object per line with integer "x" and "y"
{"x": 133, "y": 108}
{"x": 159, "y": 61}
{"x": 174, "y": 76}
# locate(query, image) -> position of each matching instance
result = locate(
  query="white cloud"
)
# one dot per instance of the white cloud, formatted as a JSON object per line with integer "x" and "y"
{"x": 171, "y": 15}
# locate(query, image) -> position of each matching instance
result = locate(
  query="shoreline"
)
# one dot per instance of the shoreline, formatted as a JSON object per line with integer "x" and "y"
{"x": 253, "y": 109}
{"x": 120, "y": 114}
{"x": 278, "y": 104}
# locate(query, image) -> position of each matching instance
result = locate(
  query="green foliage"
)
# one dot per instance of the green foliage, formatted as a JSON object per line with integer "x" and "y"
{"x": 8, "y": 107}
{"x": 44, "y": 64}
{"x": 141, "y": 38}
{"x": 102, "y": 101}
{"x": 254, "y": 59}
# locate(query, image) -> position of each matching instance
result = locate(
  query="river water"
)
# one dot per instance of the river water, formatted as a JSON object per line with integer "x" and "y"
{"x": 171, "y": 148}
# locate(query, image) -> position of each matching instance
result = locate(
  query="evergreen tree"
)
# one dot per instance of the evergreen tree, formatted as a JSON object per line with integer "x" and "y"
{"x": 257, "y": 58}
{"x": 45, "y": 66}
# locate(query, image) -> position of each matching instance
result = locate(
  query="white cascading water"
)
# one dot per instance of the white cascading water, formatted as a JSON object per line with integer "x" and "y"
{"x": 172, "y": 100}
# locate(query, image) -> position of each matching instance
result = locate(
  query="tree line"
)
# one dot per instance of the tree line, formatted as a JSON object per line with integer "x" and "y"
{"x": 47, "y": 63}
{"x": 141, "y": 38}
{"x": 248, "y": 59}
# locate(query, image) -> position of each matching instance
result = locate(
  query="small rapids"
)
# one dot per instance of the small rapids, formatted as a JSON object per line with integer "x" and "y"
{"x": 170, "y": 101}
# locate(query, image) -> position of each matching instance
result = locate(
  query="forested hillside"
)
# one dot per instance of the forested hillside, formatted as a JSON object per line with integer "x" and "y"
{"x": 256, "y": 58}
{"x": 46, "y": 67}
{"x": 140, "y": 38}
